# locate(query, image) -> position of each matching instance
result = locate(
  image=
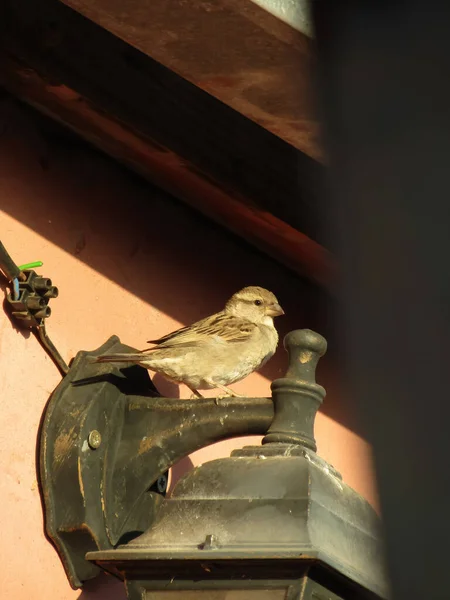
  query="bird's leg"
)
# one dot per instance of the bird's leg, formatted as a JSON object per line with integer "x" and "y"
{"x": 228, "y": 391}
{"x": 195, "y": 394}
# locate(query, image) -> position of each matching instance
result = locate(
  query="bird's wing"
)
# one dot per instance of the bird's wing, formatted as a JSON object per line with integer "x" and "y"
{"x": 221, "y": 326}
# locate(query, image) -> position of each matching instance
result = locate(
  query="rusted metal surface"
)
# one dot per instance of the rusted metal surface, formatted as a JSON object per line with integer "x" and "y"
{"x": 237, "y": 51}
{"x": 305, "y": 349}
{"x": 108, "y": 437}
{"x": 266, "y": 513}
{"x": 106, "y": 441}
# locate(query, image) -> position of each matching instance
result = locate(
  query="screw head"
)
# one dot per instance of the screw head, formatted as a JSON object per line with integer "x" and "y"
{"x": 161, "y": 484}
{"x": 94, "y": 439}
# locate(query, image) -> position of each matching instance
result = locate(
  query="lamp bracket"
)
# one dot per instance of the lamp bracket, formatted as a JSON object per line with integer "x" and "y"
{"x": 107, "y": 441}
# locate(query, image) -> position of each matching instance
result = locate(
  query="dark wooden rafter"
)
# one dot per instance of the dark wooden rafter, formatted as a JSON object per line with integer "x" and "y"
{"x": 180, "y": 137}
{"x": 236, "y": 50}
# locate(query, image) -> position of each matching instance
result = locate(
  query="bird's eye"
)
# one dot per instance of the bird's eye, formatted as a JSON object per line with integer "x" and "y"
{"x": 258, "y": 302}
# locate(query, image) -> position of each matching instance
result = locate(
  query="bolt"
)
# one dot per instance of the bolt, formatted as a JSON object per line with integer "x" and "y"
{"x": 210, "y": 542}
{"x": 94, "y": 439}
{"x": 161, "y": 484}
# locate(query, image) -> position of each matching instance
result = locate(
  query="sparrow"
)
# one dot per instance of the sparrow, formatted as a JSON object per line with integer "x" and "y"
{"x": 218, "y": 350}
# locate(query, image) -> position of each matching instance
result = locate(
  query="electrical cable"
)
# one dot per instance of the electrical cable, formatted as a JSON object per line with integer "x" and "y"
{"x": 16, "y": 290}
{"x": 14, "y": 273}
{"x": 7, "y": 265}
{"x": 51, "y": 349}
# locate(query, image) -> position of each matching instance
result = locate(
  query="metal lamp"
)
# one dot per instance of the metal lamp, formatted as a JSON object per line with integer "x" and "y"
{"x": 271, "y": 522}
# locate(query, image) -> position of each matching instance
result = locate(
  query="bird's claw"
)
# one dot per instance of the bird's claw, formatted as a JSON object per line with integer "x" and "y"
{"x": 227, "y": 395}
{"x": 221, "y": 397}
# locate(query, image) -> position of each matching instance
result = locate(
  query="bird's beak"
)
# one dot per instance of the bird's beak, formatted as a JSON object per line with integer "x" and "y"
{"x": 274, "y": 310}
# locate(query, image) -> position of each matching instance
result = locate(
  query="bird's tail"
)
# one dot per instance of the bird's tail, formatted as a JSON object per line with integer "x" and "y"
{"x": 106, "y": 358}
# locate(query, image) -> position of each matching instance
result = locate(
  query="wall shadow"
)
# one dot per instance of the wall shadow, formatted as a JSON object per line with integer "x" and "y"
{"x": 135, "y": 234}
{"x": 103, "y": 586}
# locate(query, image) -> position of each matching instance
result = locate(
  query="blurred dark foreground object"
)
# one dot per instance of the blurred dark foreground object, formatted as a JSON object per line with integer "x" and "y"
{"x": 386, "y": 98}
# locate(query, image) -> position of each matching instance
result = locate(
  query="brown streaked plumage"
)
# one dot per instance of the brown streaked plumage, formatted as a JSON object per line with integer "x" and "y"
{"x": 219, "y": 350}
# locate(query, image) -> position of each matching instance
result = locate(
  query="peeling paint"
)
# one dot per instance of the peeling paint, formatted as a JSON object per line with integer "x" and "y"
{"x": 62, "y": 447}
{"x": 145, "y": 445}
{"x": 305, "y": 356}
{"x": 80, "y": 480}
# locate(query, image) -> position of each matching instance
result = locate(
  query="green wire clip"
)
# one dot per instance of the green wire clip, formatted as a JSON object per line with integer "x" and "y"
{"x": 31, "y": 265}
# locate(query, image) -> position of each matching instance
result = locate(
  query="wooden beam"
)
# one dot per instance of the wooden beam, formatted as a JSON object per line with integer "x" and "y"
{"x": 174, "y": 133}
{"x": 171, "y": 173}
{"x": 234, "y": 49}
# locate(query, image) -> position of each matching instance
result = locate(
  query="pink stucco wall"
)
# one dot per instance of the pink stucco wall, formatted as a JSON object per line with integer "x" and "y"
{"x": 131, "y": 261}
